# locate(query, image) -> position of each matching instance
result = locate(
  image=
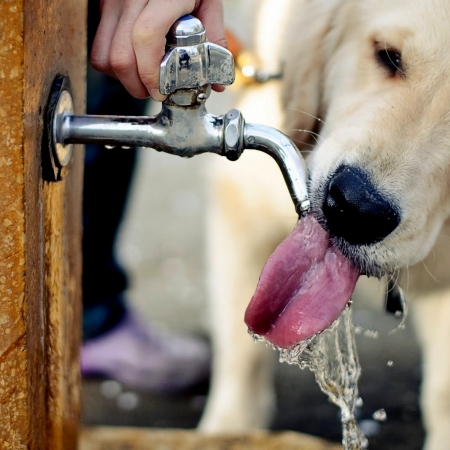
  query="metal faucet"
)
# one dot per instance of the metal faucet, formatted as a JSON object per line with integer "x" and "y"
{"x": 183, "y": 127}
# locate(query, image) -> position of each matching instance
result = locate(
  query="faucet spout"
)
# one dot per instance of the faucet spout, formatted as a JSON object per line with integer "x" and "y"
{"x": 188, "y": 131}
{"x": 283, "y": 150}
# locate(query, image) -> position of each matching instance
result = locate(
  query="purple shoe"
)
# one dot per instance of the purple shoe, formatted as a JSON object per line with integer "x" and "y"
{"x": 141, "y": 358}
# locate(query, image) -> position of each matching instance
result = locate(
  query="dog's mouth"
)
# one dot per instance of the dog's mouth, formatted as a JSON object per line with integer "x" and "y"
{"x": 304, "y": 287}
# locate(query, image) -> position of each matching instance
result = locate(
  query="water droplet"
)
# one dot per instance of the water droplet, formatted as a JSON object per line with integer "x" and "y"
{"x": 125, "y": 147}
{"x": 390, "y": 363}
{"x": 364, "y": 443}
{"x": 110, "y": 147}
{"x": 110, "y": 388}
{"x": 371, "y": 334}
{"x": 127, "y": 401}
{"x": 359, "y": 402}
{"x": 380, "y": 415}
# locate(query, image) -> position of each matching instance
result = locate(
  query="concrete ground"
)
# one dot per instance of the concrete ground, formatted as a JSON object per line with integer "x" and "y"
{"x": 161, "y": 244}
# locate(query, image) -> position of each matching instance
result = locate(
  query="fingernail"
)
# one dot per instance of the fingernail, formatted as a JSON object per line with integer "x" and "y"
{"x": 156, "y": 95}
{"x": 218, "y": 87}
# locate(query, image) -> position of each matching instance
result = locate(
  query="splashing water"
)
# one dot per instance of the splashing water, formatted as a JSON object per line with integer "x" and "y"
{"x": 380, "y": 415}
{"x": 333, "y": 359}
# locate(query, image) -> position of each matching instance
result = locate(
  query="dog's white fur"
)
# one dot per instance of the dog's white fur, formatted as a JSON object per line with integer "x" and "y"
{"x": 397, "y": 128}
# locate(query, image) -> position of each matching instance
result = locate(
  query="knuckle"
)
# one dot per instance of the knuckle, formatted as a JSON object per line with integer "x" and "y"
{"x": 121, "y": 61}
{"x": 99, "y": 63}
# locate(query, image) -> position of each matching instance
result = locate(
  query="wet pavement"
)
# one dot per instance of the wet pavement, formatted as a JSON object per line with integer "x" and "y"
{"x": 161, "y": 244}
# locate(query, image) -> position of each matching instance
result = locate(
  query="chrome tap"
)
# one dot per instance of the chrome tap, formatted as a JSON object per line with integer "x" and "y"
{"x": 183, "y": 127}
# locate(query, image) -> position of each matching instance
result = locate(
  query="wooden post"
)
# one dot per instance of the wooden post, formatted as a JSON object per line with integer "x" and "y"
{"x": 40, "y": 229}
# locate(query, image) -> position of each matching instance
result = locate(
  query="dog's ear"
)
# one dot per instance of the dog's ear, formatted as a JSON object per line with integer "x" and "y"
{"x": 306, "y": 47}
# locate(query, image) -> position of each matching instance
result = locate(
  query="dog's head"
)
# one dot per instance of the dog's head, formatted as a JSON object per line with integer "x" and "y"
{"x": 377, "y": 73}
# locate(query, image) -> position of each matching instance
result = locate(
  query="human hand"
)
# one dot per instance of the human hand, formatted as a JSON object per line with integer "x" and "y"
{"x": 130, "y": 40}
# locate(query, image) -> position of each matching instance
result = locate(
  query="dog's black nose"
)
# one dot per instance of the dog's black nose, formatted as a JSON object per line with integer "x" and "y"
{"x": 355, "y": 210}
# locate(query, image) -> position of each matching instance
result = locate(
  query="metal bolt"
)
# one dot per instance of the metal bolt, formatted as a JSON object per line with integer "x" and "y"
{"x": 234, "y": 135}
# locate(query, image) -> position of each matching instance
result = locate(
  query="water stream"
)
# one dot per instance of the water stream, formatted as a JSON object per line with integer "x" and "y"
{"x": 333, "y": 359}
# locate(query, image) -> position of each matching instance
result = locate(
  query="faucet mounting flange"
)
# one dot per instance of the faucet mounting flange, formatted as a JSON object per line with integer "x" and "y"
{"x": 57, "y": 154}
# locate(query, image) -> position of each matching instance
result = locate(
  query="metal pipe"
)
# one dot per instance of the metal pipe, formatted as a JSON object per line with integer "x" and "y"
{"x": 176, "y": 130}
{"x": 285, "y": 153}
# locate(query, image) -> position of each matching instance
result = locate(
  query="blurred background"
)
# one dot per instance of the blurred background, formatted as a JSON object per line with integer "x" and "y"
{"x": 161, "y": 244}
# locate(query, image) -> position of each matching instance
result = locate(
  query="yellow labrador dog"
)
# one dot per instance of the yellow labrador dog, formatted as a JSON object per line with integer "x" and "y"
{"x": 367, "y": 84}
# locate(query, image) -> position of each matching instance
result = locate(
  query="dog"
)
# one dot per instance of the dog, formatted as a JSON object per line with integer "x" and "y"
{"x": 366, "y": 87}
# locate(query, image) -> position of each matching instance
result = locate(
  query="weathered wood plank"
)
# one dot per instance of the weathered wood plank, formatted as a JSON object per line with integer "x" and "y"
{"x": 104, "y": 438}
{"x": 13, "y": 361}
{"x": 40, "y": 225}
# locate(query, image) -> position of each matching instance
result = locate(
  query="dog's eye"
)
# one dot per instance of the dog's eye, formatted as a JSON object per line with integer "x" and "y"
{"x": 391, "y": 60}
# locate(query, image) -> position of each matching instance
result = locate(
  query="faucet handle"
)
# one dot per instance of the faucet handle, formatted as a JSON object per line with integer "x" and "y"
{"x": 191, "y": 60}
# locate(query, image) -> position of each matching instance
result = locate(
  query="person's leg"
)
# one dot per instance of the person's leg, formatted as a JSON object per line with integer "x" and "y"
{"x": 116, "y": 343}
{"x": 107, "y": 179}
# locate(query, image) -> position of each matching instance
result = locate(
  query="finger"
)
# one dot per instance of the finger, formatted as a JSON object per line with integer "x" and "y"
{"x": 110, "y": 14}
{"x": 210, "y": 12}
{"x": 122, "y": 57}
{"x": 149, "y": 38}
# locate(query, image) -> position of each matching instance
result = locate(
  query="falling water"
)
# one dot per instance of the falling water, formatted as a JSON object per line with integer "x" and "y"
{"x": 333, "y": 359}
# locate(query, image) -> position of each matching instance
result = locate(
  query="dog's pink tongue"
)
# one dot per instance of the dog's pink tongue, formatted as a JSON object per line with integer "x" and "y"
{"x": 303, "y": 288}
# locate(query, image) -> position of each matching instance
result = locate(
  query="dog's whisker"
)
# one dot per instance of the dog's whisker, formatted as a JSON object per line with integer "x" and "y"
{"x": 429, "y": 272}
{"x": 315, "y": 135}
{"x": 306, "y": 143}
{"x": 405, "y": 272}
{"x": 391, "y": 277}
{"x": 398, "y": 276}
{"x": 395, "y": 273}
{"x": 403, "y": 275}
{"x": 307, "y": 114}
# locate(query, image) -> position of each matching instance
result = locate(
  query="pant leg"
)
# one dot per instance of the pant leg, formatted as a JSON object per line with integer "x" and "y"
{"x": 108, "y": 174}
